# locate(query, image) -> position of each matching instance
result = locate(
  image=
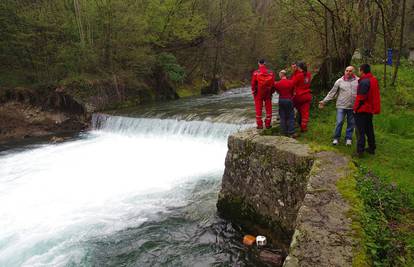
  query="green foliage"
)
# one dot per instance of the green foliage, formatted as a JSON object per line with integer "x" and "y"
{"x": 385, "y": 210}
{"x": 347, "y": 186}
{"x": 192, "y": 40}
{"x": 404, "y": 96}
{"x": 168, "y": 64}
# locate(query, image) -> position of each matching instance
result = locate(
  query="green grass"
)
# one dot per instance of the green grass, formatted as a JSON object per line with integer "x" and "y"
{"x": 392, "y": 167}
{"x": 347, "y": 186}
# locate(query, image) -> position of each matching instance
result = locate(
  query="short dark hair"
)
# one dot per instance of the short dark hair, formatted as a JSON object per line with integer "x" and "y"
{"x": 302, "y": 65}
{"x": 262, "y": 61}
{"x": 366, "y": 68}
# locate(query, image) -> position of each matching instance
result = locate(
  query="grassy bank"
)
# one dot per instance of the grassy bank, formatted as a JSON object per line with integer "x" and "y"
{"x": 385, "y": 182}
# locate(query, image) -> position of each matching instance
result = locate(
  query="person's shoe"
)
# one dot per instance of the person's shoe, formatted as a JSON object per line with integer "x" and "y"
{"x": 294, "y": 135}
{"x": 358, "y": 154}
{"x": 335, "y": 142}
{"x": 268, "y": 127}
{"x": 304, "y": 130}
{"x": 348, "y": 142}
{"x": 259, "y": 127}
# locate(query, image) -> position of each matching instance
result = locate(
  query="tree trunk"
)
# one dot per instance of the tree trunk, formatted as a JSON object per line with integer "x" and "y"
{"x": 385, "y": 41}
{"x": 397, "y": 63}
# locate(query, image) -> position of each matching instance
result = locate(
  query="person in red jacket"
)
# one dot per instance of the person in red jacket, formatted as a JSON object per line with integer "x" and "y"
{"x": 295, "y": 70}
{"x": 285, "y": 88}
{"x": 302, "y": 94}
{"x": 367, "y": 103}
{"x": 262, "y": 83}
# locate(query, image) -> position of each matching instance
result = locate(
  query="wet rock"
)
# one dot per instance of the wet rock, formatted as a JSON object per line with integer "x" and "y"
{"x": 23, "y": 120}
{"x": 56, "y": 139}
{"x": 273, "y": 258}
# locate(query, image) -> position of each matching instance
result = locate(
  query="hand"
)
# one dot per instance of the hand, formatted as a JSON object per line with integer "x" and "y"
{"x": 321, "y": 105}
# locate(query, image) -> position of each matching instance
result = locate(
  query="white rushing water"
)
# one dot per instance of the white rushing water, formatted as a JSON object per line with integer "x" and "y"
{"x": 54, "y": 197}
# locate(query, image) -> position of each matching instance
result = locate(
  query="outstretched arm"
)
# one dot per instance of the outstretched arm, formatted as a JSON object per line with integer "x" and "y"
{"x": 332, "y": 94}
{"x": 254, "y": 84}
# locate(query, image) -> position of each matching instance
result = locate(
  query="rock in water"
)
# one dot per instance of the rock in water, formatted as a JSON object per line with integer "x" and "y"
{"x": 271, "y": 257}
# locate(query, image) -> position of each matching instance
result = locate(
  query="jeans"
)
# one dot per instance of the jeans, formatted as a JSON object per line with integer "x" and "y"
{"x": 287, "y": 116}
{"x": 365, "y": 128}
{"x": 350, "y": 123}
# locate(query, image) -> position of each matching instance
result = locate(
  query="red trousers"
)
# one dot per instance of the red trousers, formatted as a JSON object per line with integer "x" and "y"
{"x": 302, "y": 104}
{"x": 258, "y": 102}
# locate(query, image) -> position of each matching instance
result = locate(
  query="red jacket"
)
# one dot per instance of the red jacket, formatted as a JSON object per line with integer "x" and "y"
{"x": 284, "y": 88}
{"x": 263, "y": 81}
{"x": 368, "y": 99}
{"x": 294, "y": 74}
{"x": 302, "y": 83}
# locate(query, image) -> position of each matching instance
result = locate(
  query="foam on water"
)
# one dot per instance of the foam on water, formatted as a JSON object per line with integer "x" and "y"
{"x": 126, "y": 171}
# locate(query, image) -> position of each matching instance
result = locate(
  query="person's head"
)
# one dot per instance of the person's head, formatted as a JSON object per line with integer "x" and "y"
{"x": 364, "y": 69}
{"x": 262, "y": 62}
{"x": 302, "y": 66}
{"x": 294, "y": 67}
{"x": 349, "y": 71}
{"x": 282, "y": 74}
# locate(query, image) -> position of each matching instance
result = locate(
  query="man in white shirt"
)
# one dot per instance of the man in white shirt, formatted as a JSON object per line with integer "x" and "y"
{"x": 345, "y": 90}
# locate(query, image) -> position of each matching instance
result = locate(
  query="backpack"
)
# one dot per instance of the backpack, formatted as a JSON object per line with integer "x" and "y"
{"x": 265, "y": 82}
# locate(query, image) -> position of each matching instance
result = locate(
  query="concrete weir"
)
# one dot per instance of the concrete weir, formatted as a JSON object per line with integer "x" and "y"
{"x": 275, "y": 186}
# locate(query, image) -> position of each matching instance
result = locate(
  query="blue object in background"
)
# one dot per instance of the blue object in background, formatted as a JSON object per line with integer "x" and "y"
{"x": 389, "y": 57}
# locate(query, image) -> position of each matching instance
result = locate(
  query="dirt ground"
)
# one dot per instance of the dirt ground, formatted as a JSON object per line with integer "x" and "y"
{"x": 20, "y": 120}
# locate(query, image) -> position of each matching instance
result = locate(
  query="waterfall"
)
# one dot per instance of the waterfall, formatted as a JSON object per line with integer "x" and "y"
{"x": 106, "y": 198}
{"x": 163, "y": 127}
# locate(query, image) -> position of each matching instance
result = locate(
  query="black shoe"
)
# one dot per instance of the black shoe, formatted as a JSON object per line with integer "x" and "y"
{"x": 259, "y": 127}
{"x": 358, "y": 154}
{"x": 268, "y": 127}
{"x": 294, "y": 135}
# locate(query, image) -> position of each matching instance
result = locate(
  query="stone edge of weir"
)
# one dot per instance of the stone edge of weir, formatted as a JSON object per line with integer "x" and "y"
{"x": 277, "y": 187}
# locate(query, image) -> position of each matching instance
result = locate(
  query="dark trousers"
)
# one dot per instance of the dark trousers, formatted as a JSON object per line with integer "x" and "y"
{"x": 287, "y": 116}
{"x": 363, "y": 122}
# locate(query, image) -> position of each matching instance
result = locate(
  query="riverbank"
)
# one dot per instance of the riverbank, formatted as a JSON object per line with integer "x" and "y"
{"x": 37, "y": 111}
{"x": 22, "y": 121}
{"x": 383, "y": 188}
{"x": 27, "y": 113}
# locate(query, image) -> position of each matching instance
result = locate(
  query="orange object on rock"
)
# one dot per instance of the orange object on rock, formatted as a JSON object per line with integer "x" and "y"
{"x": 249, "y": 240}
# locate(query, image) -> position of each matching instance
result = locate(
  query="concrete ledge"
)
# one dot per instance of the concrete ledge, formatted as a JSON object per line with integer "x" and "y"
{"x": 264, "y": 183}
{"x": 276, "y": 186}
{"x": 323, "y": 234}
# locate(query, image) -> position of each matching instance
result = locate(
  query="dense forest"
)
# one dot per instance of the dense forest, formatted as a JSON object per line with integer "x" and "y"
{"x": 148, "y": 49}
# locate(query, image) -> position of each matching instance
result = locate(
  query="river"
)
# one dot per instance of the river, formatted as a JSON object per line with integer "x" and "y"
{"x": 139, "y": 189}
